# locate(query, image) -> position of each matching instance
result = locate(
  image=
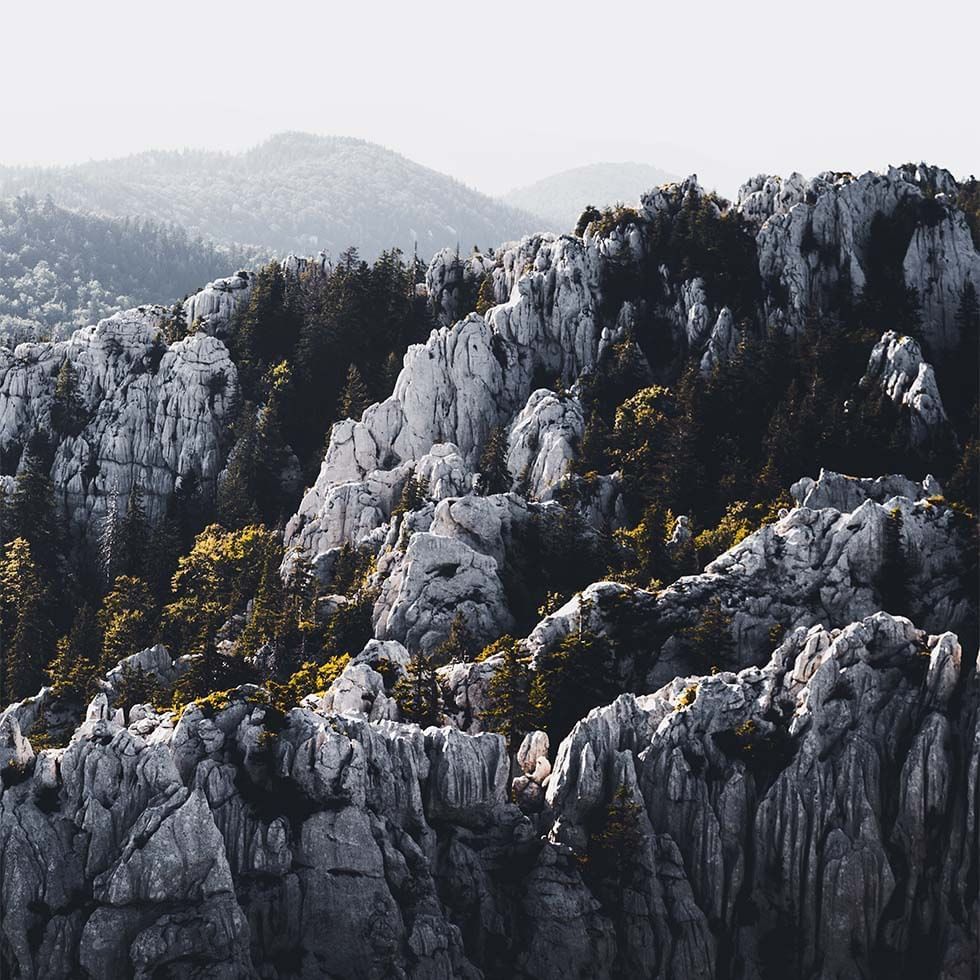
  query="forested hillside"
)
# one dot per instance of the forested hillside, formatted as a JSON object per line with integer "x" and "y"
{"x": 294, "y": 193}
{"x": 601, "y": 604}
{"x": 62, "y": 269}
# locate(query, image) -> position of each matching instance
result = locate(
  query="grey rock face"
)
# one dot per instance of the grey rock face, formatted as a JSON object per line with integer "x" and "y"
{"x": 814, "y": 237}
{"x": 811, "y": 566}
{"x": 897, "y": 368}
{"x": 153, "y": 414}
{"x": 818, "y": 812}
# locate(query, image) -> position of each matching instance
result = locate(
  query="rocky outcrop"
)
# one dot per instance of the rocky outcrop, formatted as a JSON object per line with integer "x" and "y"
{"x": 211, "y": 309}
{"x": 846, "y": 493}
{"x": 815, "y": 813}
{"x": 436, "y": 579}
{"x": 818, "y": 806}
{"x": 816, "y": 237}
{"x": 544, "y": 441}
{"x": 148, "y": 415}
{"x": 811, "y": 566}
{"x": 896, "y": 367}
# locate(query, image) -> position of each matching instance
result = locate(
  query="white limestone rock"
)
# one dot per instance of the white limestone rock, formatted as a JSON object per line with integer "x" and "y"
{"x": 897, "y": 367}
{"x": 543, "y": 441}
{"x": 435, "y": 580}
{"x": 154, "y": 415}
{"x": 847, "y": 493}
{"x": 212, "y": 308}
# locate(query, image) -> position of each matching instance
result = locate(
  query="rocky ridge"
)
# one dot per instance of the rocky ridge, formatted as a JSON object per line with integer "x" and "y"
{"x": 247, "y": 843}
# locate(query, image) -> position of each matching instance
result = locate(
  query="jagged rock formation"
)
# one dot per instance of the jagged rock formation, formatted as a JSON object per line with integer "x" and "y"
{"x": 151, "y": 414}
{"x": 815, "y": 565}
{"x": 816, "y": 236}
{"x": 897, "y": 367}
{"x": 810, "y": 811}
{"x": 816, "y": 815}
{"x": 551, "y": 318}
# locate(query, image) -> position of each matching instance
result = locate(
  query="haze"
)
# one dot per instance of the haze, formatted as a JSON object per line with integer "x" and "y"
{"x": 501, "y": 94}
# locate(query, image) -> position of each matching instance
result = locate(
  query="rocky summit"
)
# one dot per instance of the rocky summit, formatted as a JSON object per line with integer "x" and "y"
{"x": 626, "y": 625}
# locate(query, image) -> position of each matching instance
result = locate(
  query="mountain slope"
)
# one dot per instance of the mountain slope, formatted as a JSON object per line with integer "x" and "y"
{"x": 561, "y": 198}
{"x": 506, "y": 715}
{"x": 294, "y": 193}
{"x": 63, "y": 269}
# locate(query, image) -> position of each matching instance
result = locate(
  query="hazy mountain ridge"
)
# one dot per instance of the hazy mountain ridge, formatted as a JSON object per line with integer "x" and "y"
{"x": 295, "y": 192}
{"x": 560, "y": 198}
{"x": 62, "y": 269}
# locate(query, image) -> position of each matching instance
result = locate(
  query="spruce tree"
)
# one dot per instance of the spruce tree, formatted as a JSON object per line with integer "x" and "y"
{"x": 68, "y": 409}
{"x": 28, "y": 635}
{"x": 269, "y": 619}
{"x": 569, "y": 681}
{"x": 457, "y": 647}
{"x": 894, "y": 573}
{"x": 494, "y": 475}
{"x": 127, "y": 619}
{"x": 31, "y": 514}
{"x": 508, "y": 708}
{"x": 75, "y": 667}
{"x": 132, "y": 543}
{"x": 237, "y": 488}
{"x": 417, "y": 693}
{"x": 354, "y": 397}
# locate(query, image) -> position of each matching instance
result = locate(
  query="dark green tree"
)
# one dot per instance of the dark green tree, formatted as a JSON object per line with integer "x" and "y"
{"x": 68, "y": 414}
{"x": 27, "y": 630}
{"x": 75, "y": 667}
{"x": 893, "y": 576}
{"x": 127, "y": 620}
{"x": 354, "y": 397}
{"x": 508, "y": 709}
{"x": 495, "y": 477}
{"x": 458, "y": 646}
{"x": 569, "y": 681}
{"x": 417, "y": 693}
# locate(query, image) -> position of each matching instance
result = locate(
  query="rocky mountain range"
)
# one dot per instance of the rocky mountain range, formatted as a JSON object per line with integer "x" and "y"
{"x": 752, "y": 741}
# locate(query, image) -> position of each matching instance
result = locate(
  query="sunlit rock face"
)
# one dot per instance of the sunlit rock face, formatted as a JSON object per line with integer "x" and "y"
{"x": 818, "y": 236}
{"x": 150, "y": 414}
{"x": 834, "y": 788}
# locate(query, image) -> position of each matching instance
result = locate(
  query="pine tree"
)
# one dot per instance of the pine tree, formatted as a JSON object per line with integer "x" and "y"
{"x": 613, "y": 848}
{"x": 24, "y": 623}
{"x": 414, "y": 494}
{"x": 894, "y": 574}
{"x": 569, "y": 681}
{"x": 75, "y": 667}
{"x": 269, "y": 619}
{"x": 494, "y": 475}
{"x": 354, "y": 397}
{"x": 508, "y": 709}
{"x": 176, "y": 328}
{"x": 709, "y": 640}
{"x": 127, "y": 619}
{"x": 132, "y": 539}
{"x": 68, "y": 409}
{"x": 417, "y": 693}
{"x": 457, "y": 647}
{"x": 237, "y": 487}
{"x": 31, "y": 514}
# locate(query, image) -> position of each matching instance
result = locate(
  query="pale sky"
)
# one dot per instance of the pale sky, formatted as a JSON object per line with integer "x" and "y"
{"x": 500, "y": 94}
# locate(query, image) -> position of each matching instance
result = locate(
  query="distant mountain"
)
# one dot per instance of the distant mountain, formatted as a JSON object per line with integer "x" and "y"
{"x": 62, "y": 269}
{"x": 294, "y": 193}
{"x": 562, "y": 197}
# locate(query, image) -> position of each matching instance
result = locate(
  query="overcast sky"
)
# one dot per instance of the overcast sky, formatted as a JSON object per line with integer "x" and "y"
{"x": 500, "y": 94}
